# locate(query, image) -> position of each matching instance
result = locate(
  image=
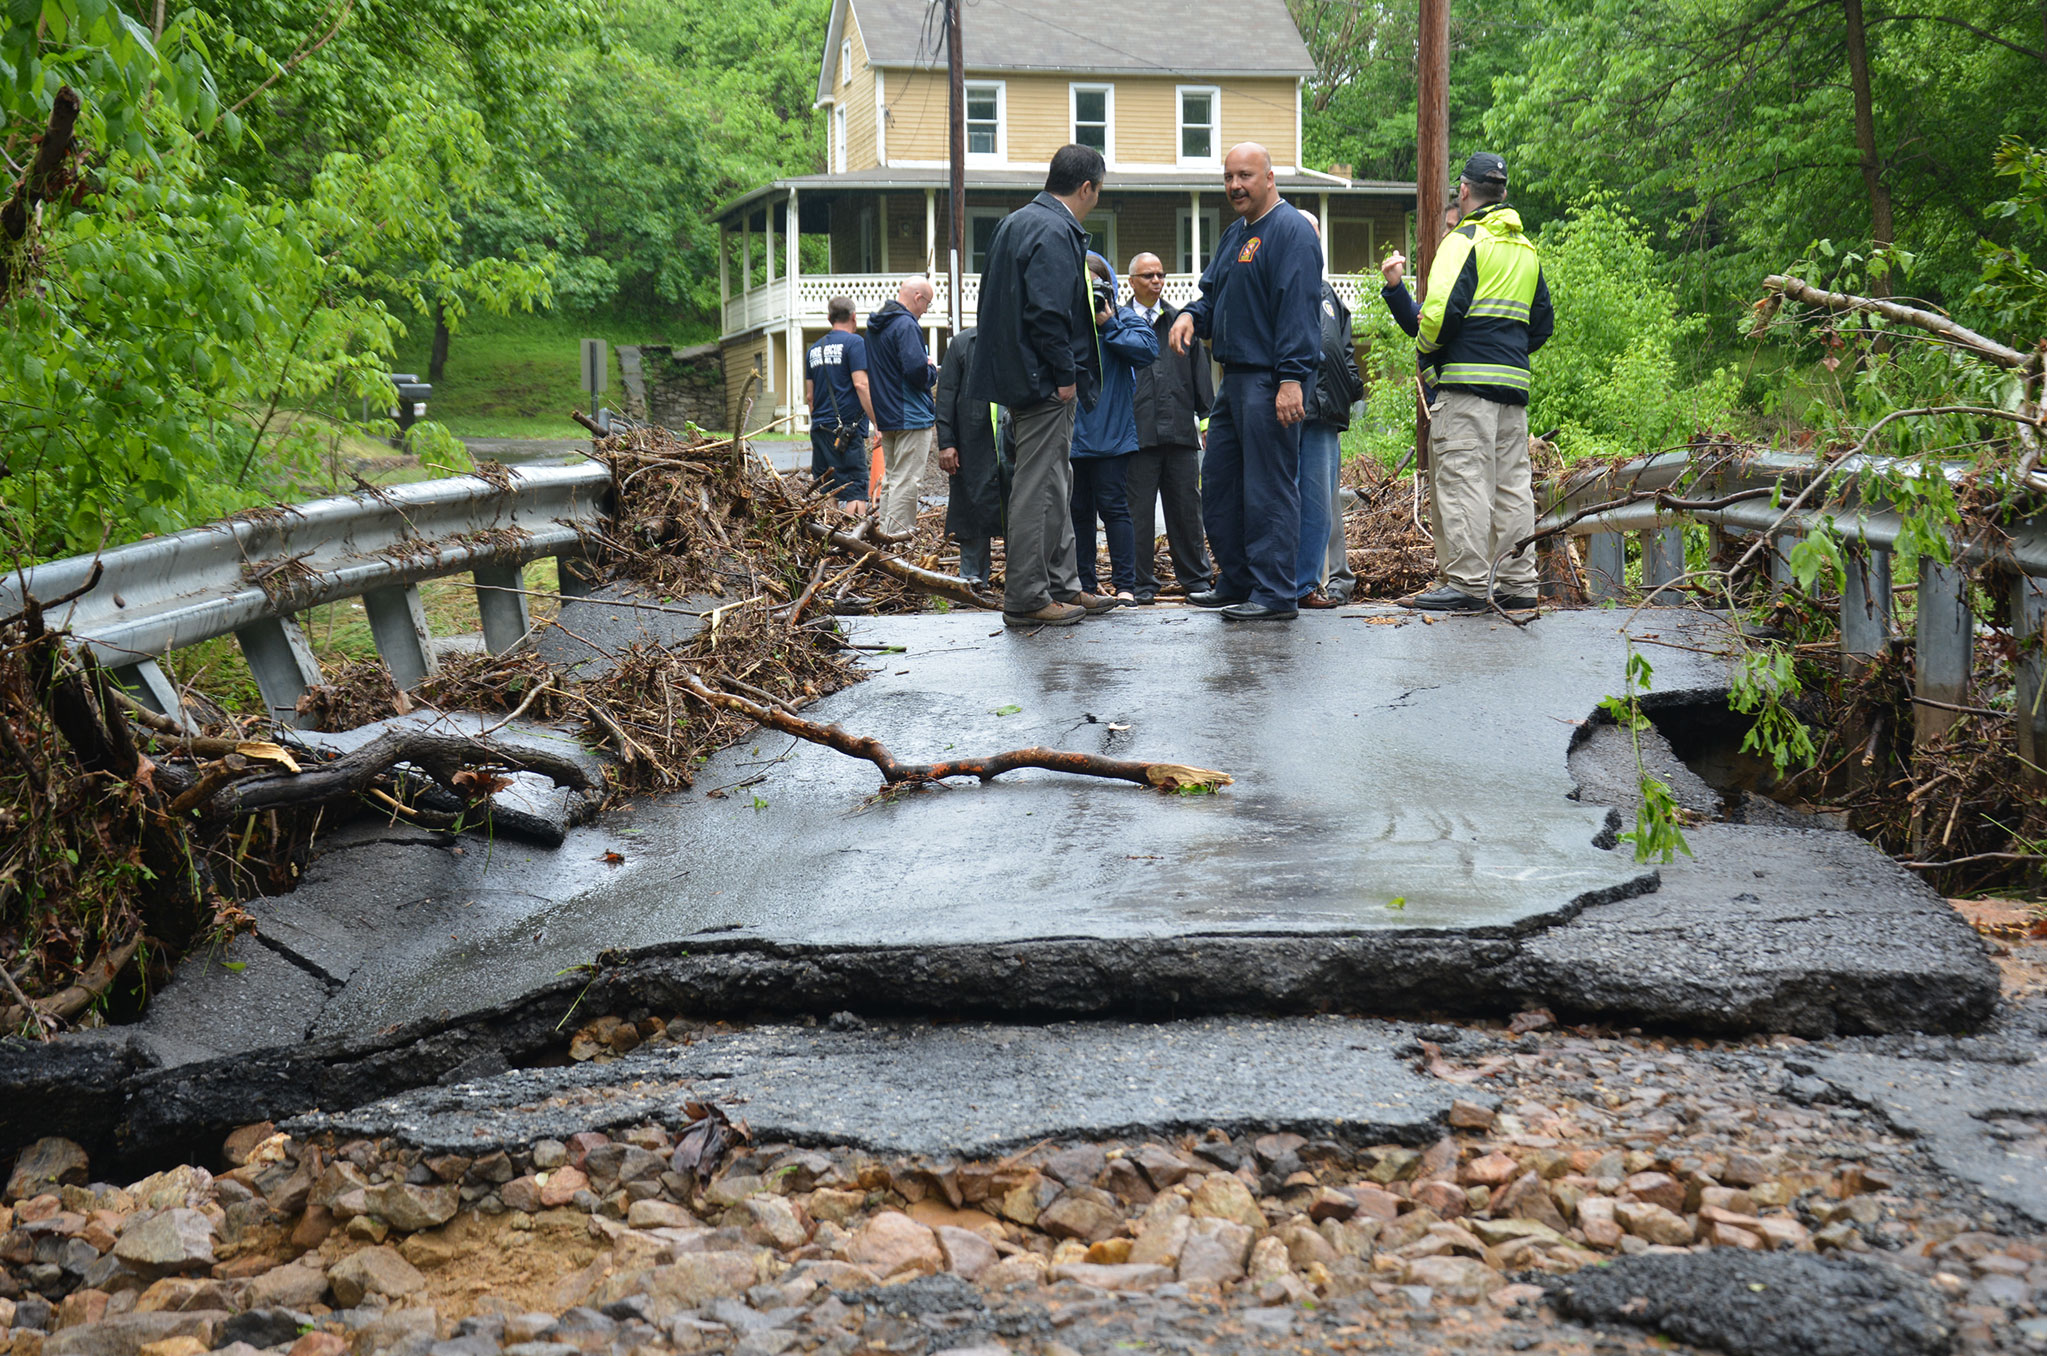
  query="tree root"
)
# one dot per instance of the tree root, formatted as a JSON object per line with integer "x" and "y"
{"x": 93, "y": 983}
{"x": 1162, "y": 776}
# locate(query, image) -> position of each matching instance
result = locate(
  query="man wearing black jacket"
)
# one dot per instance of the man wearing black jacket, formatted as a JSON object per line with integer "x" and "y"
{"x": 1173, "y": 394}
{"x": 1038, "y": 358}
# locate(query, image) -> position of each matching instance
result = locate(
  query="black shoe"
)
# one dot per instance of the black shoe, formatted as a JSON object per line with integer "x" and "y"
{"x": 1210, "y": 598}
{"x": 1516, "y": 602}
{"x": 1443, "y": 598}
{"x": 1144, "y": 599}
{"x": 1257, "y": 612}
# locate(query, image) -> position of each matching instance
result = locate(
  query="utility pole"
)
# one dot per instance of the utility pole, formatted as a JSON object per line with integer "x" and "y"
{"x": 1431, "y": 168}
{"x": 956, "y": 199}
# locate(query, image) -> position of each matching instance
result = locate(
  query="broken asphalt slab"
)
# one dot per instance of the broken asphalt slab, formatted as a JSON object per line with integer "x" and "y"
{"x": 1403, "y": 837}
{"x": 967, "y": 1090}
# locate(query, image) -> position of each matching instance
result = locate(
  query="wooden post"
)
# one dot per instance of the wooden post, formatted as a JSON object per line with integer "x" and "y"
{"x": 956, "y": 182}
{"x": 1943, "y": 648}
{"x": 1431, "y": 170}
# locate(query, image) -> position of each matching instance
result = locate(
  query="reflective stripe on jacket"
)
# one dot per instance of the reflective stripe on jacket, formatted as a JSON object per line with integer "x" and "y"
{"x": 1488, "y": 307}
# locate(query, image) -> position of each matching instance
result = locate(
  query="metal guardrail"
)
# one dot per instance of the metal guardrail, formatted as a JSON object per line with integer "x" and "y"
{"x": 250, "y": 574}
{"x": 1943, "y": 623}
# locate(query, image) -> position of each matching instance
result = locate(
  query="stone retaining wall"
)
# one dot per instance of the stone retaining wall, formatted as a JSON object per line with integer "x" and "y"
{"x": 674, "y": 386}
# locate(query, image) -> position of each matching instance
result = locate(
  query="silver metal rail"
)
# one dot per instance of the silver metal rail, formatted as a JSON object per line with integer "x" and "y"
{"x": 250, "y": 574}
{"x": 1944, "y": 623}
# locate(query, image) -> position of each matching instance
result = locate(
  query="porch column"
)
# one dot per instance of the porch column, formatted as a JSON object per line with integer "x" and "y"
{"x": 931, "y": 232}
{"x": 792, "y": 271}
{"x": 768, "y": 239}
{"x": 1324, "y": 212}
{"x": 746, "y": 254}
{"x": 724, "y": 271}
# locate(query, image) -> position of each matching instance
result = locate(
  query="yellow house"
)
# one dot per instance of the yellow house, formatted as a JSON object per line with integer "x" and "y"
{"x": 1161, "y": 90}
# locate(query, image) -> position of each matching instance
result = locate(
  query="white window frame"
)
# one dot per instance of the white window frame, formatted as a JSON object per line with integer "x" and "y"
{"x": 1211, "y": 231}
{"x": 880, "y": 122}
{"x": 1215, "y": 126}
{"x": 839, "y": 138}
{"x": 1001, "y": 88}
{"x": 978, "y": 214}
{"x": 845, "y": 61}
{"x": 1108, "y": 93}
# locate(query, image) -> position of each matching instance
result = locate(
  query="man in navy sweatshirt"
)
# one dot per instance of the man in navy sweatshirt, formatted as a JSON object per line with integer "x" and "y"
{"x": 1259, "y": 309}
{"x": 900, "y": 377}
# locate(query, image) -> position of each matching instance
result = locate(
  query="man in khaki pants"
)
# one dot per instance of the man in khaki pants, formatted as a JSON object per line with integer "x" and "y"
{"x": 1488, "y": 309}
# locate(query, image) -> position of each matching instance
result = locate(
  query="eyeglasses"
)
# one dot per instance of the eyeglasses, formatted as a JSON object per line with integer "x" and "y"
{"x": 1159, "y": 274}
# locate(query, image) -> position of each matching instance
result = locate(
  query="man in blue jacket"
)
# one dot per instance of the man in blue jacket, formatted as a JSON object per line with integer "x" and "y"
{"x": 1038, "y": 359}
{"x": 1259, "y": 311}
{"x": 900, "y": 375}
{"x": 1105, "y": 436}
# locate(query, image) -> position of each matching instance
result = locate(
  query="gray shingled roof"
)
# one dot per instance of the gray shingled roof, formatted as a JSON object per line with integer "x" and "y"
{"x": 1190, "y": 38}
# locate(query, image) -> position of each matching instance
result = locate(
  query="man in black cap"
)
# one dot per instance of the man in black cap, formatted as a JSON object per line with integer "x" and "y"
{"x": 1488, "y": 309}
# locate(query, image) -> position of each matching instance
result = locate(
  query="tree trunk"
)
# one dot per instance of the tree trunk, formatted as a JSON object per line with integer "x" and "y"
{"x": 437, "y": 363}
{"x": 1880, "y": 228}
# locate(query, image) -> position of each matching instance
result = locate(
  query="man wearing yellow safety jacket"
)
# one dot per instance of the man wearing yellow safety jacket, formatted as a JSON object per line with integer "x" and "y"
{"x": 1487, "y": 310}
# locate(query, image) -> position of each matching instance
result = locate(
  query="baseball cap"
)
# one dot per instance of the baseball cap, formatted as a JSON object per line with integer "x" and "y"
{"x": 1485, "y": 167}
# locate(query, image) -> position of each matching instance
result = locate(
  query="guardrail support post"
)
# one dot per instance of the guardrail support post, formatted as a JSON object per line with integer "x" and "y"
{"x": 575, "y": 577}
{"x": 1943, "y": 649}
{"x": 1663, "y": 555}
{"x": 1781, "y": 577}
{"x": 146, "y": 682}
{"x": 501, "y": 601}
{"x": 1865, "y": 607}
{"x": 398, "y": 624}
{"x": 2029, "y": 622}
{"x": 283, "y": 664}
{"x": 1606, "y": 565}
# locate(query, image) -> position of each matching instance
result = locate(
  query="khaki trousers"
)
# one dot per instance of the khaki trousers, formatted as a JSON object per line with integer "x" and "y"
{"x": 906, "y": 456}
{"x": 1480, "y": 476}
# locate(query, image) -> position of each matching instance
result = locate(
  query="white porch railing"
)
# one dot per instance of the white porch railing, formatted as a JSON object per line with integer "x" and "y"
{"x": 768, "y": 306}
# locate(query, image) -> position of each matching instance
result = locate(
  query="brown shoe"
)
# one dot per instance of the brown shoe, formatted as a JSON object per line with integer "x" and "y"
{"x": 1094, "y": 604}
{"x": 1316, "y": 598}
{"x": 1051, "y": 614}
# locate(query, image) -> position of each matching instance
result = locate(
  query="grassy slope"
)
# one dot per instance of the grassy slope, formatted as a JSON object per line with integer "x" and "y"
{"x": 517, "y": 376}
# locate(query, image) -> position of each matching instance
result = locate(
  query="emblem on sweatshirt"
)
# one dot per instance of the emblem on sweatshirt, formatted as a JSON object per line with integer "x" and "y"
{"x": 1245, "y": 255}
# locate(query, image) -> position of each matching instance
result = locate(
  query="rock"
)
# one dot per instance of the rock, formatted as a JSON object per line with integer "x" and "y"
{"x": 1527, "y": 1198}
{"x": 1329, "y": 1203}
{"x": 82, "y": 1307}
{"x": 549, "y": 1154}
{"x": 1160, "y": 1164}
{"x": 1756, "y": 1304}
{"x": 373, "y": 1271}
{"x": 1783, "y": 1232}
{"x": 967, "y": 1254}
{"x": 837, "y": 1206}
{"x": 1497, "y": 1231}
{"x": 337, "y": 1181}
{"x": 428, "y": 1252}
{"x": 1494, "y": 1169}
{"x": 169, "y": 1241}
{"x": 1162, "y": 1236}
{"x": 242, "y": 1141}
{"x": 1224, "y": 1196}
{"x": 521, "y": 1194}
{"x": 1269, "y": 1261}
{"x": 1375, "y": 1202}
{"x": 772, "y": 1222}
{"x": 655, "y": 1213}
{"x": 695, "y": 1279}
{"x": 1215, "y": 1251}
{"x": 561, "y": 1187}
{"x": 127, "y": 1334}
{"x": 1461, "y": 1280}
{"x": 1127, "y": 1183}
{"x": 260, "y": 1328}
{"x": 1077, "y": 1166}
{"x": 298, "y": 1286}
{"x": 892, "y": 1244}
{"x": 174, "y": 1293}
{"x": 1658, "y": 1188}
{"x": 175, "y": 1346}
{"x": 1445, "y": 1198}
{"x": 1024, "y": 1201}
{"x": 410, "y": 1208}
{"x": 1394, "y": 1165}
{"x": 1025, "y": 1268}
{"x": 1724, "y": 1235}
{"x": 1471, "y": 1116}
{"x": 1128, "y": 1276}
{"x": 1653, "y": 1223}
{"x": 1088, "y": 1214}
{"x": 318, "y": 1344}
{"x": 44, "y": 1165}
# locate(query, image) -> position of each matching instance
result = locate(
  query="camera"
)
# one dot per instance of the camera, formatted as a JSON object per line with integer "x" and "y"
{"x": 1105, "y": 293}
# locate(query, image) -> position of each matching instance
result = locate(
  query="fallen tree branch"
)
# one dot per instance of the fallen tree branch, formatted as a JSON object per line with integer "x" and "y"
{"x": 1932, "y": 322}
{"x": 944, "y": 585}
{"x": 440, "y": 756}
{"x": 93, "y": 982}
{"x": 1163, "y": 776}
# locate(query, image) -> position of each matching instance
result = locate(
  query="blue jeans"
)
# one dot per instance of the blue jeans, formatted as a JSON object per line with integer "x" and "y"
{"x": 1250, "y": 491}
{"x": 1321, "y": 463}
{"x": 1101, "y": 489}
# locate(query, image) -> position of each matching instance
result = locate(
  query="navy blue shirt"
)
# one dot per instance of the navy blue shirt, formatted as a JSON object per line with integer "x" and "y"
{"x": 833, "y": 360}
{"x": 1261, "y": 295}
{"x": 900, "y": 372}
